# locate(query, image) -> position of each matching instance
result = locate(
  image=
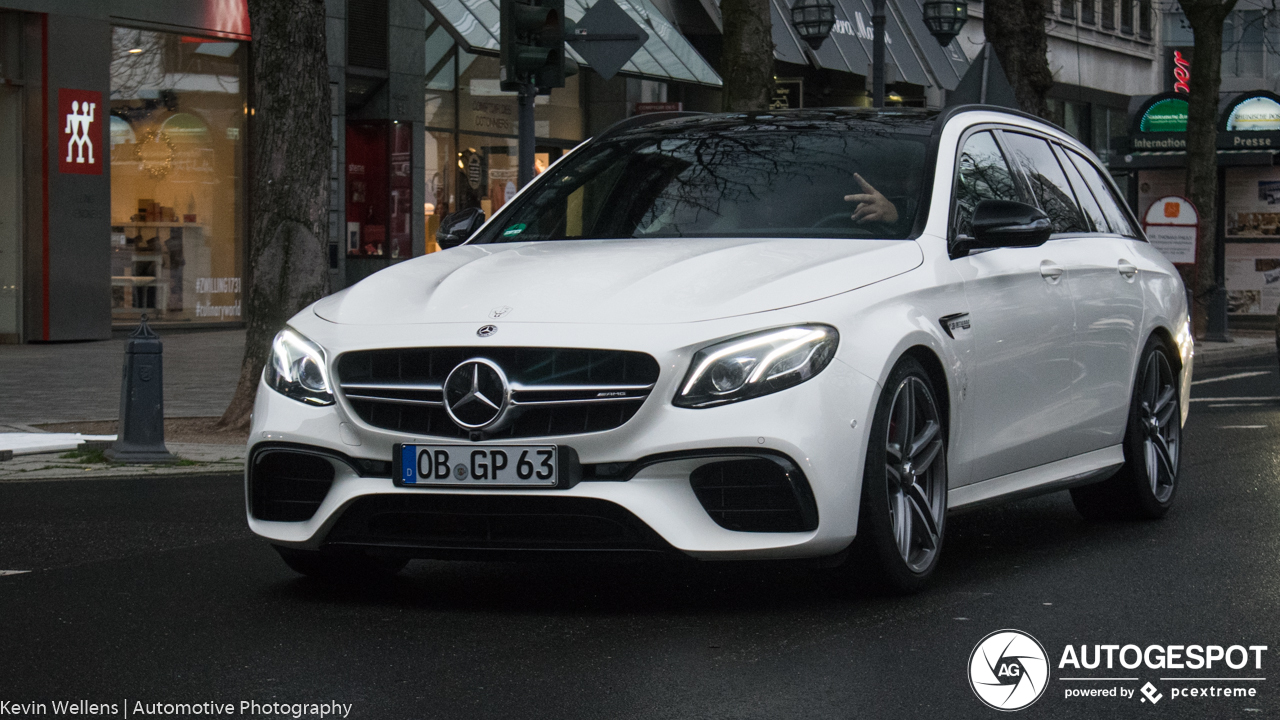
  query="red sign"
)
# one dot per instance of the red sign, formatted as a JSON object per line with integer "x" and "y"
{"x": 80, "y": 114}
{"x": 656, "y": 107}
{"x": 1181, "y": 73}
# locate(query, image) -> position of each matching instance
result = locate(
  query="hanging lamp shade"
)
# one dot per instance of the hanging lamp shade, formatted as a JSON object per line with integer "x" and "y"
{"x": 944, "y": 18}
{"x": 812, "y": 20}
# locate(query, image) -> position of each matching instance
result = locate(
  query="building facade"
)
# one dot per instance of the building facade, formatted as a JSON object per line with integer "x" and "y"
{"x": 122, "y": 130}
{"x": 124, "y": 127}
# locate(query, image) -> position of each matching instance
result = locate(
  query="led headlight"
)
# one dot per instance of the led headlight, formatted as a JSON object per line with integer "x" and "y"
{"x": 296, "y": 369}
{"x": 756, "y": 364}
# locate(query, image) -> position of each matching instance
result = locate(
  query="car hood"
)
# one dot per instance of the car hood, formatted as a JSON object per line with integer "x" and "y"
{"x": 617, "y": 281}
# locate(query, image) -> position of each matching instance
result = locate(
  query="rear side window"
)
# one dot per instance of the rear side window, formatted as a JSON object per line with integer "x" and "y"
{"x": 983, "y": 174}
{"x": 1116, "y": 219}
{"x": 1090, "y": 206}
{"x": 1048, "y": 183}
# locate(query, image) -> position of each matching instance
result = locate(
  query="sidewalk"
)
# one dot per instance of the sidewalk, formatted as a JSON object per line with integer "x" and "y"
{"x": 1244, "y": 345}
{"x": 75, "y": 388}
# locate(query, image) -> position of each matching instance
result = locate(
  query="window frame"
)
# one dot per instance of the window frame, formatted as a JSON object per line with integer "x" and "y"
{"x": 1035, "y": 201}
{"x": 1116, "y": 197}
{"x": 1024, "y": 191}
{"x": 1059, "y": 147}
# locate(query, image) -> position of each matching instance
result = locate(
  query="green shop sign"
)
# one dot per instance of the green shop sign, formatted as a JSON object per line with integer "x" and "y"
{"x": 1167, "y": 115}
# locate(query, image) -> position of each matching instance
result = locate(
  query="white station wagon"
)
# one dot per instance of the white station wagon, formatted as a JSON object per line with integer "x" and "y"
{"x": 739, "y": 336}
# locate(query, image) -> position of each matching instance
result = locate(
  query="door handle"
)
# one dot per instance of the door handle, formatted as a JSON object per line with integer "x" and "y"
{"x": 1050, "y": 270}
{"x": 1127, "y": 269}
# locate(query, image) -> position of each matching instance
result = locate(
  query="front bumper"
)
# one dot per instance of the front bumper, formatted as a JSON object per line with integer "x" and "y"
{"x": 818, "y": 425}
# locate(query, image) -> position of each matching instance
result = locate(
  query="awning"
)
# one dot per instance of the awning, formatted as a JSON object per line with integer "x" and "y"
{"x": 1151, "y": 159}
{"x": 667, "y": 55}
{"x": 897, "y": 50}
{"x": 949, "y": 63}
{"x": 911, "y": 53}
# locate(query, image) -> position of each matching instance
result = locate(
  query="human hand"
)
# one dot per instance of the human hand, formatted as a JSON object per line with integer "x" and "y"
{"x": 872, "y": 206}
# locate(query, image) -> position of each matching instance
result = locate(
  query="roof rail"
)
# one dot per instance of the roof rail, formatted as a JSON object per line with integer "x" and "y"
{"x": 645, "y": 119}
{"x": 948, "y": 112}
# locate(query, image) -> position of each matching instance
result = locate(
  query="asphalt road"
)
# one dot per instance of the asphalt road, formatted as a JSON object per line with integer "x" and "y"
{"x": 153, "y": 590}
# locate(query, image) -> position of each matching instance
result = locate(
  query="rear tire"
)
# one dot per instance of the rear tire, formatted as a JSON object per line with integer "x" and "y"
{"x": 903, "y": 514}
{"x": 340, "y": 567}
{"x": 1146, "y": 484}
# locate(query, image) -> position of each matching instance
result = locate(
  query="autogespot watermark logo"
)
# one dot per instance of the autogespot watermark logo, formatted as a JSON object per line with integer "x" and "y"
{"x": 1008, "y": 670}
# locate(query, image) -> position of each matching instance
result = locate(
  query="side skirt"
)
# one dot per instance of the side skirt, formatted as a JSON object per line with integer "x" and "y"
{"x": 1090, "y": 467}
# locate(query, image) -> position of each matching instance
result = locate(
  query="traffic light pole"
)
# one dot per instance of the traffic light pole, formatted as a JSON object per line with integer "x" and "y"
{"x": 877, "y": 53}
{"x": 524, "y": 172}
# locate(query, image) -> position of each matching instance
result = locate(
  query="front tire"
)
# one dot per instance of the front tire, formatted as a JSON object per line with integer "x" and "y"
{"x": 903, "y": 514}
{"x": 1145, "y": 486}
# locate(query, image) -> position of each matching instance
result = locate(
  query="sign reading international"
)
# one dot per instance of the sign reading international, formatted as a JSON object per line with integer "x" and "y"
{"x": 1161, "y": 124}
{"x": 80, "y": 132}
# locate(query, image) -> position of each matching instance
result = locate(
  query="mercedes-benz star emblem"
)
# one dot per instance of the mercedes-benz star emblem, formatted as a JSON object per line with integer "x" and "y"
{"x": 487, "y": 330}
{"x": 476, "y": 394}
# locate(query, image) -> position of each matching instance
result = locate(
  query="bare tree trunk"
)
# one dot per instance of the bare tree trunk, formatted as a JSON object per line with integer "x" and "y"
{"x": 1206, "y": 18}
{"x": 746, "y": 61}
{"x": 1015, "y": 28}
{"x": 289, "y": 144}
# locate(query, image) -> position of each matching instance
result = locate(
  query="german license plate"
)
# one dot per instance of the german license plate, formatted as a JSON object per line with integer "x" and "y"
{"x": 476, "y": 465}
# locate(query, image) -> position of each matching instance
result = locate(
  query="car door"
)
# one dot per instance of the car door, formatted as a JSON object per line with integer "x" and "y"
{"x": 1108, "y": 301}
{"x": 1022, "y": 322}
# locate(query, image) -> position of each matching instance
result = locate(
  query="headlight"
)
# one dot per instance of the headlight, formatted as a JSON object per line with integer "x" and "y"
{"x": 296, "y": 369}
{"x": 756, "y": 364}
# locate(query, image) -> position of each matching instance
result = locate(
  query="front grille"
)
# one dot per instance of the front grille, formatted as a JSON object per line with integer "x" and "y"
{"x": 755, "y": 495}
{"x": 554, "y": 391}
{"x": 490, "y": 522}
{"x": 288, "y": 486}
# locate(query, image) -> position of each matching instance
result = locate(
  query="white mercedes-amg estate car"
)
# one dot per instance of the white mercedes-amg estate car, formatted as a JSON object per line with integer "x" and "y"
{"x": 738, "y": 336}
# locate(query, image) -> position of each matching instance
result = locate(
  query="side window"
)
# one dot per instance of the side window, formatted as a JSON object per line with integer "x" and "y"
{"x": 983, "y": 174}
{"x": 1102, "y": 191}
{"x": 1089, "y": 204}
{"x": 1048, "y": 183}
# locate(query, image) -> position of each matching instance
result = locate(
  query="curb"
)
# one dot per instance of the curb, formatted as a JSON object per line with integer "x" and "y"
{"x": 1222, "y": 356}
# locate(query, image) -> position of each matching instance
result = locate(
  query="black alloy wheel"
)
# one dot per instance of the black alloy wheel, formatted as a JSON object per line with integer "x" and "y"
{"x": 1145, "y": 485}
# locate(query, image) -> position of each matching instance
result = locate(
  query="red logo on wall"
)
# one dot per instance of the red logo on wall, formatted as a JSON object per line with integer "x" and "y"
{"x": 80, "y": 141}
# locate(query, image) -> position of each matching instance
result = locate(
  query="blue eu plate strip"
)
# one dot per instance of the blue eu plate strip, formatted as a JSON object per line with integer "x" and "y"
{"x": 409, "y": 464}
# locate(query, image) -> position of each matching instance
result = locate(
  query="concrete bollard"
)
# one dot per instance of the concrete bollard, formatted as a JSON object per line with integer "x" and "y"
{"x": 141, "y": 431}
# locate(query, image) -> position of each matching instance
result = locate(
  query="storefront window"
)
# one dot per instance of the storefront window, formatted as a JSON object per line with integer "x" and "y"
{"x": 470, "y": 147}
{"x": 177, "y": 158}
{"x": 379, "y": 189}
{"x": 485, "y": 108}
{"x": 441, "y": 181}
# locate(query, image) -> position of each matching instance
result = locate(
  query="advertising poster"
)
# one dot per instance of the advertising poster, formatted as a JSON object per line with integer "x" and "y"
{"x": 1253, "y": 240}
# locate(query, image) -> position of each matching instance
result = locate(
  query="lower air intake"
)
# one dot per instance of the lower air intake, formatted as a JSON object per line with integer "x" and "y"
{"x": 287, "y": 486}
{"x": 755, "y": 495}
{"x": 433, "y": 521}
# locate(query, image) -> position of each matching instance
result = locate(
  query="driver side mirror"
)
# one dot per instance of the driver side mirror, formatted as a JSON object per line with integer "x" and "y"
{"x": 455, "y": 228}
{"x": 1006, "y": 223}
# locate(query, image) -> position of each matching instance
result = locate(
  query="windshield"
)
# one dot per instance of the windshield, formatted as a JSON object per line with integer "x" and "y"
{"x": 807, "y": 175}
